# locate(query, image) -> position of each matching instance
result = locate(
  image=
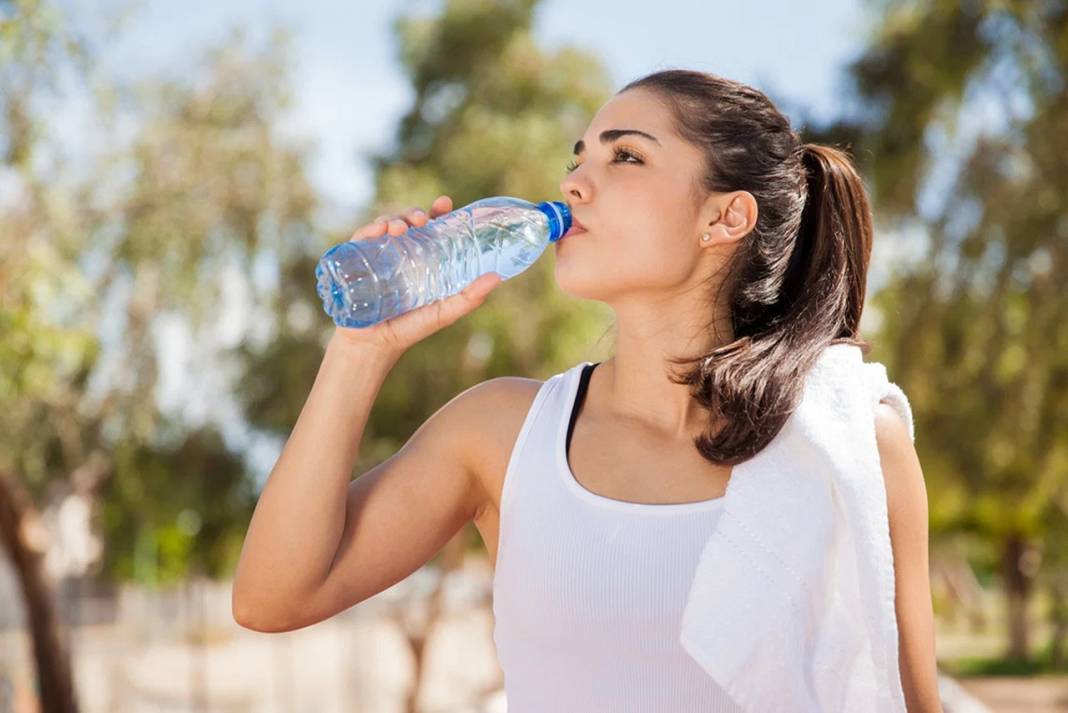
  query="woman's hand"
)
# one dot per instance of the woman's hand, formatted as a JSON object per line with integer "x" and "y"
{"x": 397, "y": 334}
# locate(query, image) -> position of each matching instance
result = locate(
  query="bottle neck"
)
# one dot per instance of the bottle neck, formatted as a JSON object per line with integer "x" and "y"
{"x": 559, "y": 216}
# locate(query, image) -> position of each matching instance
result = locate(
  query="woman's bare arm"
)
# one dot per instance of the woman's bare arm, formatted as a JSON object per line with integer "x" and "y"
{"x": 297, "y": 523}
{"x": 320, "y": 543}
{"x": 906, "y": 497}
{"x": 310, "y": 512}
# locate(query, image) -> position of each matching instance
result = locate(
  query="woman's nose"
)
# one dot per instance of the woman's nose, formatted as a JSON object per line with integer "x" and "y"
{"x": 574, "y": 187}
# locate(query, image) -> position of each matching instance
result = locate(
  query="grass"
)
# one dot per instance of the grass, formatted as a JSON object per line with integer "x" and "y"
{"x": 1040, "y": 663}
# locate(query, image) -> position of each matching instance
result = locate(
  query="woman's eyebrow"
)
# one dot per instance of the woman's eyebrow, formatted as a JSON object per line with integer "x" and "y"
{"x": 613, "y": 134}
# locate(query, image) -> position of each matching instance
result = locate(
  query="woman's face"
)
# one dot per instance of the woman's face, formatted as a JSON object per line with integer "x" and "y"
{"x": 633, "y": 195}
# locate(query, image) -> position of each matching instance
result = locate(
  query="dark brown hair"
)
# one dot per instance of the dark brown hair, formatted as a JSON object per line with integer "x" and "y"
{"x": 797, "y": 281}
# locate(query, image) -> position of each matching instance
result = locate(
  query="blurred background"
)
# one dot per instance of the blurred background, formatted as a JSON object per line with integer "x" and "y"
{"x": 170, "y": 173}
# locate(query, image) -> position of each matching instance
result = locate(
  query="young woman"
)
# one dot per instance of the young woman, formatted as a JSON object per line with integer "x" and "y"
{"x": 712, "y": 232}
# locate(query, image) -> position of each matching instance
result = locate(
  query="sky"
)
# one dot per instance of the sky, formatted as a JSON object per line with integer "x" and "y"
{"x": 350, "y": 92}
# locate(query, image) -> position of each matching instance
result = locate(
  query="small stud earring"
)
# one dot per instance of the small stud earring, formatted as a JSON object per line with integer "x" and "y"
{"x": 706, "y": 237}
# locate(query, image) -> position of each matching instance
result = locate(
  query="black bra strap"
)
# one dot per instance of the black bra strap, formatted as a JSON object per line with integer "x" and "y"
{"x": 580, "y": 397}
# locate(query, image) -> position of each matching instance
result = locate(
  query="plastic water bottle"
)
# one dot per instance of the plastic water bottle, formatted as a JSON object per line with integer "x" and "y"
{"x": 363, "y": 282}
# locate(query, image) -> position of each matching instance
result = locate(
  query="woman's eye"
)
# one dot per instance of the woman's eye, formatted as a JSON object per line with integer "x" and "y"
{"x": 571, "y": 166}
{"x": 624, "y": 152}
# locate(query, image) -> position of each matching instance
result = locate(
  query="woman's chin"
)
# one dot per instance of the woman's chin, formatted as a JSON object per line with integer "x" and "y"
{"x": 577, "y": 281}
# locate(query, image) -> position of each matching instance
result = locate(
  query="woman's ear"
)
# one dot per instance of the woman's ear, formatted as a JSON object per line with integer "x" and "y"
{"x": 734, "y": 217}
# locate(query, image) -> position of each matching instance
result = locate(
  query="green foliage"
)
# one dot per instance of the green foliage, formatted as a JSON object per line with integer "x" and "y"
{"x": 44, "y": 366}
{"x": 46, "y": 354}
{"x": 35, "y": 40}
{"x": 976, "y": 330}
{"x": 1041, "y": 663}
{"x": 170, "y": 510}
{"x": 493, "y": 115}
{"x": 211, "y": 185}
{"x": 209, "y": 181}
{"x": 204, "y": 183}
{"x": 913, "y": 75}
{"x": 986, "y": 303}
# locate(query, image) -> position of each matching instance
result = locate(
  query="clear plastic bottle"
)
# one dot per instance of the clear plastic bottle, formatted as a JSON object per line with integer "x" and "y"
{"x": 363, "y": 282}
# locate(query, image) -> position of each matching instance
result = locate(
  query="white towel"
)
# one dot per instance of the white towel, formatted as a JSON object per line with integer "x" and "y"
{"x": 792, "y": 603}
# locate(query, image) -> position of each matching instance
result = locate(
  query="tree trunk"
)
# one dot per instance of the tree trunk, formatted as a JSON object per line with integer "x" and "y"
{"x": 52, "y": 659}
{"x": 195, "y": 632}
{"x": 450, "y": 559}
{"x": 1058, "y": 594}
{"x": 1018, "y": 580}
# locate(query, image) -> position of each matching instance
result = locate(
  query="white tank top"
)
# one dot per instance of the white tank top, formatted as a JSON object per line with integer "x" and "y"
{"x": 588, "y": 590}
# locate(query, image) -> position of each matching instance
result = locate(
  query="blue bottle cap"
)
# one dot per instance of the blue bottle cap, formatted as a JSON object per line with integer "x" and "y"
{"x": 559, "y": 218}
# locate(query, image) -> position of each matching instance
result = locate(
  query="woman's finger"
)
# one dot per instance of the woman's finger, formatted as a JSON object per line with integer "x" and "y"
{"x": 372, "y": 230}
{"x": 417, "y": 217}
{"x": 418, "y": 324}
{"x": 394, "y": 224}
{"x": 441, "y": 205}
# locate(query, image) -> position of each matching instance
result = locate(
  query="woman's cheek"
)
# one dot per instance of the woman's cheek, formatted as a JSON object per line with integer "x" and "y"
{"x": 575, "y": 269}
{"x": 588, "y": 271}
{"x": 657, "y": 267}
{"x": 589, "y": 266}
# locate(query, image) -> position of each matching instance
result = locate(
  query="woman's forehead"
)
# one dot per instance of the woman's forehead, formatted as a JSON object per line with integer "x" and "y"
{"x": 640, "y": 108}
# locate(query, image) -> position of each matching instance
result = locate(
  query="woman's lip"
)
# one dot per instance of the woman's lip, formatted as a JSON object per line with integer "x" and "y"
{"x": 573, "y": 230}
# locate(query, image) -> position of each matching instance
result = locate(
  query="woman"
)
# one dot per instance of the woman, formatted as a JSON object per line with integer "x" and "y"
{"x": 712, "y": 232}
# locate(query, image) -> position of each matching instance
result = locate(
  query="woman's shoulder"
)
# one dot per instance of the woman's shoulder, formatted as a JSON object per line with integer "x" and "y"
{"x": 492, "y": 413}
{"x": 491, "y": 418}
{"x": 503, "y": 392}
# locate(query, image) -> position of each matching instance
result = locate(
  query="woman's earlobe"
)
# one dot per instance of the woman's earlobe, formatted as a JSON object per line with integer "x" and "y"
{"x": 718, "y": 231}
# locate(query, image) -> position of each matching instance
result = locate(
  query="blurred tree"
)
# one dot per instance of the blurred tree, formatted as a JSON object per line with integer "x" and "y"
{"x": 492, "y": 114}
{"x": 206, "y": 190}
{"x": 210, "y": 189}
{"x": 986, "y": 302}
{"x": 42, "y": 362}
{"x": 186, "y": 507}
{"x": 205, "y": 186}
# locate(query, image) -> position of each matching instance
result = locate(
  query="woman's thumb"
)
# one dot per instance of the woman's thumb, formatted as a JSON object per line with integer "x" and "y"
{"x": 482, "y": 285}
{"x": 469, "y": 298}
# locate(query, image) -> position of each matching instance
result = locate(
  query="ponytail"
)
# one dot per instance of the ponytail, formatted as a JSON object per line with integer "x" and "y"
{"x": 795, "y": 284}
{"x": 826, "y": 280}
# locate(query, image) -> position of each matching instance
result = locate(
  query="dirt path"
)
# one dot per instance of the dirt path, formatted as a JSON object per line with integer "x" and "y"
{"x": 1036, "y": 694}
